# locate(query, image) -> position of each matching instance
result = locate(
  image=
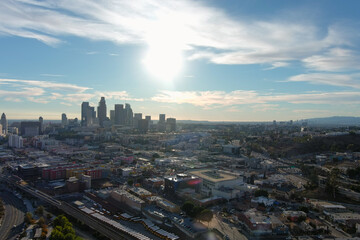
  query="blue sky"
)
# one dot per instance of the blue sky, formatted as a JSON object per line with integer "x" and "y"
{"x": 200, "y": 60}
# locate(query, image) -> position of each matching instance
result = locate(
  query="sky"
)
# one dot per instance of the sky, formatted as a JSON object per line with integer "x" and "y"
{"x": 240, "y": 60}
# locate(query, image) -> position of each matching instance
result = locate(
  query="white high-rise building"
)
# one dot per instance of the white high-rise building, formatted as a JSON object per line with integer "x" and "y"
{"x": 15, "y": 141}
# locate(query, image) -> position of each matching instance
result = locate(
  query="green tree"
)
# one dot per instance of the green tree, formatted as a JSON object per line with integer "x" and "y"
{"x": 187, "y": 207}
{"x": 28, "y": 218}
{"x": 261, "y": 193}
{"x": 57, "y": 235}
{"x": 63, "y": 229}
{"x": 69, "y": 236}
{"x": 39, "y": 210}
{"x": 206, "y": 215}
{"x": 196, "y": 211}
{"x": 68, "y": 229}
{"x": 332, "y": 181}
{"x": 41, "y": 221}
{"x": 60, "y": 220}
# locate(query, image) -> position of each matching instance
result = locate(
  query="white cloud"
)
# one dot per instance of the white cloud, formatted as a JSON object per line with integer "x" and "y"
{"x": 211, "y": 99}
{"x": 341, "y": 80}
{"x": 210, "y": 33}
{"x": 45, "y": 91}
{"x": 66, "y": 104}
{"x": 38, "y": 100}
{"x": 335, "y": 59}
{"x": 12, "y": 99}
{"x": 25, "y": 92}
{"x": 45, "y": 84}
{"x": 277, "y": 65}
{"x": 207, "y": 99}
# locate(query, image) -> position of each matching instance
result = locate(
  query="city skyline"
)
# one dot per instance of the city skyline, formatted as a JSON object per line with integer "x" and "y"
{"x": 233, "y": 61}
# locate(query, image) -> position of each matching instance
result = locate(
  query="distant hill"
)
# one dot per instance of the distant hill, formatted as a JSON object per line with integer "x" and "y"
{"x": 336, "y": 120}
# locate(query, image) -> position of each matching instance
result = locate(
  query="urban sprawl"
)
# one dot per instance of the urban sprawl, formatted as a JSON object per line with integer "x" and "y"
{"x": 116, "y": 175}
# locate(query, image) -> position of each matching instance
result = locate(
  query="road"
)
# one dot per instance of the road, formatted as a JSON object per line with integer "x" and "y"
{"x": 101, "y": 227}
{"x": 14, "y": 215}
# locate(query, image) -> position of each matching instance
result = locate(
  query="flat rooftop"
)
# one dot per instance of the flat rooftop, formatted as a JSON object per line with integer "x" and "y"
{"x": 214, "y": 175}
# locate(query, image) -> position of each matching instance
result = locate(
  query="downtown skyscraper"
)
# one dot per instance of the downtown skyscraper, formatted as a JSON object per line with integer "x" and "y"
{"x": 120, "y": 114}
{"x": 101, "y": 110}
{"x": 88, "y": 114}
{"x": 128, "y": 115}
{"x": 4, "y": 123}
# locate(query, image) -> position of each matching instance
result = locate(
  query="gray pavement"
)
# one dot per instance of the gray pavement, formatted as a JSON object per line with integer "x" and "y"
{"x": 14, "y": 215}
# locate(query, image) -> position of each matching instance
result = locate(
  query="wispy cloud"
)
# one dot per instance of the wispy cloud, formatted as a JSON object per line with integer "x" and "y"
{"x": 45, "y": 84}
{"x": 46, "y": 91}
{"x": 340, "y": 80}
{"x": 265, "y": 107}
{"x": 277, "y": 65}
{"x": 207, "y": 98}
{"x": 335, "y": 59}
{"x": 66, "y": 104}
{"x": 51, "y": 75}
{"x": 310, "y": 111}
{"x": 242, "y": 41}
{"x": 25, "y": 92}
{"x": 210, "y": 99}
{"x": 120, "y": 95}
{"x": 92, "y": 53}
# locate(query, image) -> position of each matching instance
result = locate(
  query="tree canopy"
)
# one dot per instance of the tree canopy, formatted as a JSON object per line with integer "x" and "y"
{"x": 63, "y": 229}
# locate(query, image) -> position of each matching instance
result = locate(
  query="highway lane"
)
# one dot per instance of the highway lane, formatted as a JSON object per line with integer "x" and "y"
{"x": 14, "y": 215}
{"x": 103, "y": 228}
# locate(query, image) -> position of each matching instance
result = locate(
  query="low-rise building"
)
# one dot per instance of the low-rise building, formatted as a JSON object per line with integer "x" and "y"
{"x": 212, "y": 181}
{"x": 256, "y": 223}
{"x": 127, "y": 198}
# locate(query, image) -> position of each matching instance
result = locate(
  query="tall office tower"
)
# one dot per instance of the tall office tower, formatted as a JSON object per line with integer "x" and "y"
{"x": 120, "y": 114}
{"x": 41, "y": 128}
{"x": 92, "y": 114}
{"x": 161, "y": 124}
{"x": 128, "y": 115}
{"x": 4, "y": 123}
{"x": 64, "y": 120}
{"x": 171, "y": 125}
{"x": 85, "y": 111}
{"x": 162, "y": 118}
{"x": 112, "y": 116}
{"x": 102, "y": 111}
{"x": 1, "y": 132}
{"x": 137, "y": 118}
{"x": 30, "y": 129}
{"x": 149, "y": 122}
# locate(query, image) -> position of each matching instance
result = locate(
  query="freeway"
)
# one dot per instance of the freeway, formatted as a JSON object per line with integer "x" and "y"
{"x": 103, "y": 228}
{"x": 14, "y": 215}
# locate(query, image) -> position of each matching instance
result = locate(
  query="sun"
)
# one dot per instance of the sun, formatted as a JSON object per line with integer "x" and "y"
{"x": 164, "y": 58}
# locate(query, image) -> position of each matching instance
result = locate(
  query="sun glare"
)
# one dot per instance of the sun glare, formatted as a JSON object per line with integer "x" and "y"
{"x": 164, "y": 56}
